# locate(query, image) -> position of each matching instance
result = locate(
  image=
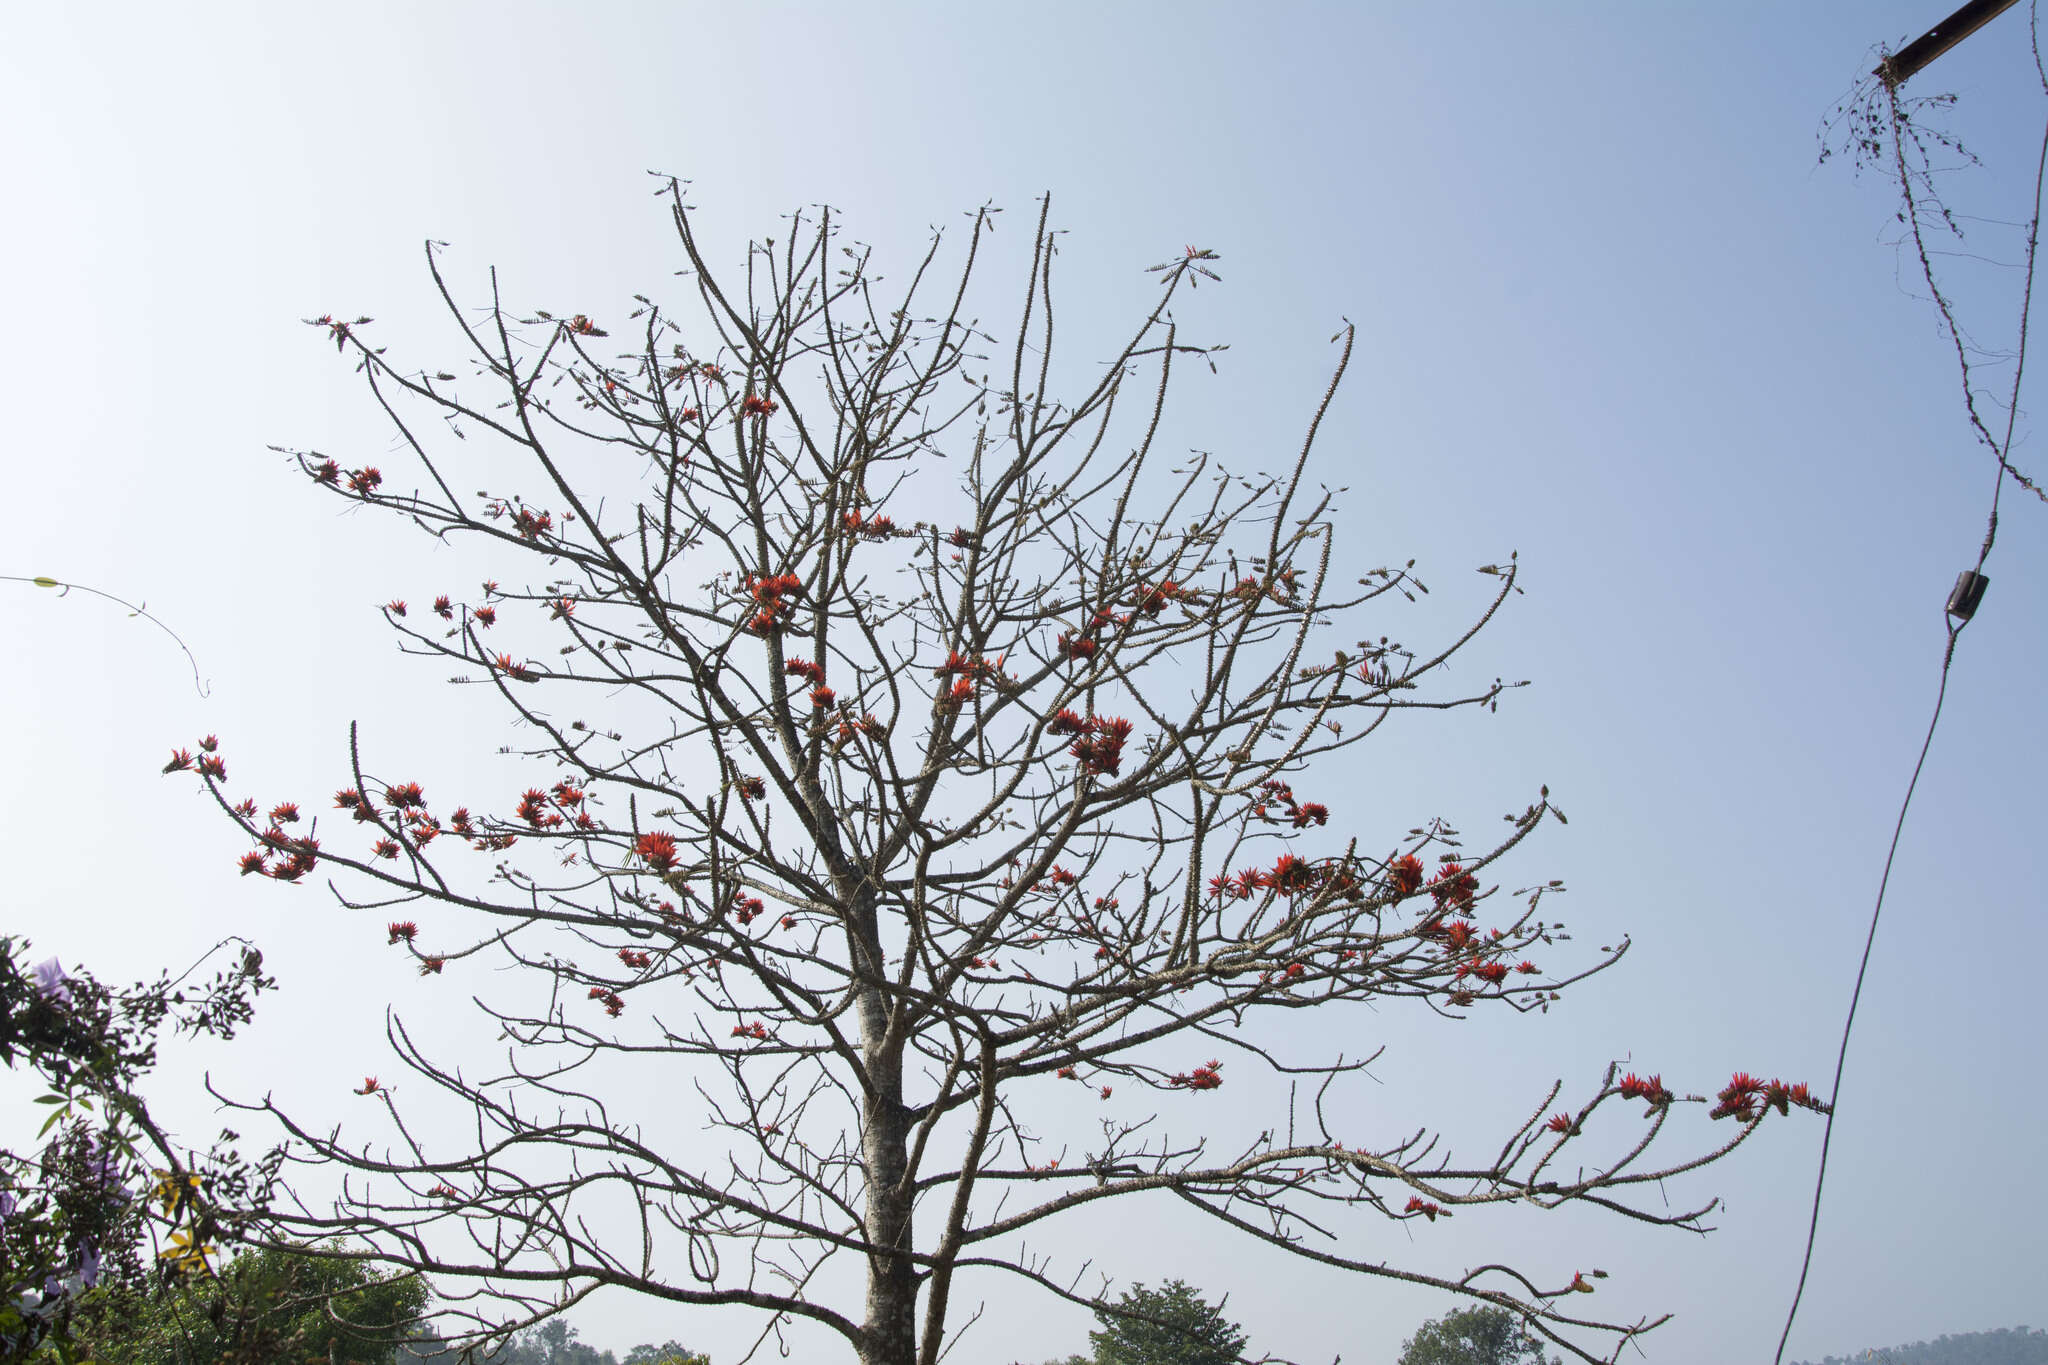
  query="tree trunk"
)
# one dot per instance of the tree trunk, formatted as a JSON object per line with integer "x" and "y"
{"x": 891, "y": 1322}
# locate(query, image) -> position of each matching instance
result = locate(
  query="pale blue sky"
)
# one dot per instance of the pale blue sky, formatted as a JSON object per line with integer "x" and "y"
{"x": 1611, "y": 316}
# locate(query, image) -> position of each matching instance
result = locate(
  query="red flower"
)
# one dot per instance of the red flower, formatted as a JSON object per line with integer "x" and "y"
{"x": 181, "y": 760}
{"x": 810, "y": 672}
{"x": 1453, "y": 886}
{"x": 210, "y": 765}
{"x": 689, "y": 414}
{"x": 753, "y": 405}
{"x": 657, "y": 850}
{"x": 1417, "y": 1204}
{"x": 403, "y": 929}
{"x": 1561, "y": 1123}
{"x": 635, "y": 959}
{"x": 1065, "y": 723}
{"x": 531, "y": 525}
{"x": 1065, "y": 1073}
{"x": 369, "y": 1086}
{"x": 444, "y": 609}
{"x": 326, "y": 472}
{"x": 459, "y": 821}
{"x": 1105, "y": 1092}
{"x": 752, "y": 788}
{"x": 284, "y": 813}
{"x": 384, "y": 848}
{"x": 252, "y": 861}
{"x": 1295, "y": 969}
{"x": 1527, "y": 968}
{"x": 404, "y": 795}
{"x": 396, "y": 606}
{"x": 431, "y": 966}
{"x": 1633, "y": 1087}
{"x": 364, "y": 481}
{"x": 1405, "y": 872}
{"x": 348, "y": 798}
{"x": 1292, "y": 876}
{"x": 486, "y": 616}
{"x": 822, "y": 697}
{"x": 1495, "y": 972}
{"x": 1311, "y": 813}
{"x": 613, "y": 1005}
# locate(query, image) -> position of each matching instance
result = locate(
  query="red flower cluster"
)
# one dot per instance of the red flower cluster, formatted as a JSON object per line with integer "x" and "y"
{"x": 776, "y": 598}
{"x": 753, "y": 405}
{"x": 403, "y": 930}
{"x": 1300, "y": 814}
{"x": 1292, "y": 876}
{"x": 613, "y": 1005}
{"x": 822, "y": 698}
{"x": 1417, "y": 1204}
{"x": 1152, "y": 598}
{"x": 1493, "y": 972}
{"x": 444, "y": 609}
{"x": 404, "y": 796}
{"x": 1453, "y": 888}
{"x": 431, "y": 966}
{"x": 752, "y": 788}
{"x": 1745, "y": 1097}
{"x": 486, "y": 616}
{"x": 756, "y": 1030}
{"x": 327, "y": 471}
{"x": 284, "y": 813}
{"x": 746, "y": 909}
{"x": 181, "y": 761}
{"x": 657, "y": 850}
{"x": 1074, "y": 646}
{"x": 532, "y": 525}
{"x": 1101, "y": 749}
{"x": 1405, "y": 874}
{"x": 1562, "y": 1123}
{"x": 364, "y": 481}
{"x": 870, "y": 528}
{"x": 213, "y": 766}
{"x": 516, "y": 671}
{"x": 1634, "y": 1087}
{"x": 812, "y": 673}
{"x": 384, "y": 848}
{"x": 396, "y": 606}
{"x": 635, "y": 959}
{"x": 584, "y": 327}
{"x": 1203, "y": 1077}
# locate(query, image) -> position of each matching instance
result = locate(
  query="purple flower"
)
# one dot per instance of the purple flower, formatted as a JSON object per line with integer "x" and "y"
{"x": 51, "y": 981}
{"x": 89, "y": 1265}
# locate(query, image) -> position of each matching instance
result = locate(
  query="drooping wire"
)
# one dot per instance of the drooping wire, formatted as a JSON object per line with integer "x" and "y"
{"x": 2002, "y": 449}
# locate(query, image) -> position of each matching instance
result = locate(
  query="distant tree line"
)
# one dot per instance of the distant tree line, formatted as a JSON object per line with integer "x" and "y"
{"x": 2007, "y": 1346}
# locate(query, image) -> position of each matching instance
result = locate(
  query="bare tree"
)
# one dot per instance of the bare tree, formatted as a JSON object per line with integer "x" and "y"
{"x": 868, "y": 864}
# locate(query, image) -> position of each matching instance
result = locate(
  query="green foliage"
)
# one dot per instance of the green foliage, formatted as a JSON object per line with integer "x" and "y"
{"x": 1172, "y": 1326}
{"x": 2006, "y": 1346}
{"x": 71, "y": 1221}
{"x": 265, "y": 1306}
{"x": 1480, "y": 1335}
{"x": 554, "y": 1343}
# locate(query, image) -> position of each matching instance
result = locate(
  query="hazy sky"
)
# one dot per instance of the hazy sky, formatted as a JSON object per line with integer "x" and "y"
{"x": 1612, "y": 315}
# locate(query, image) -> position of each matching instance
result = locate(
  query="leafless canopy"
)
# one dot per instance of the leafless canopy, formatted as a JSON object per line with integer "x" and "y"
{"x": 945, "y": 751}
